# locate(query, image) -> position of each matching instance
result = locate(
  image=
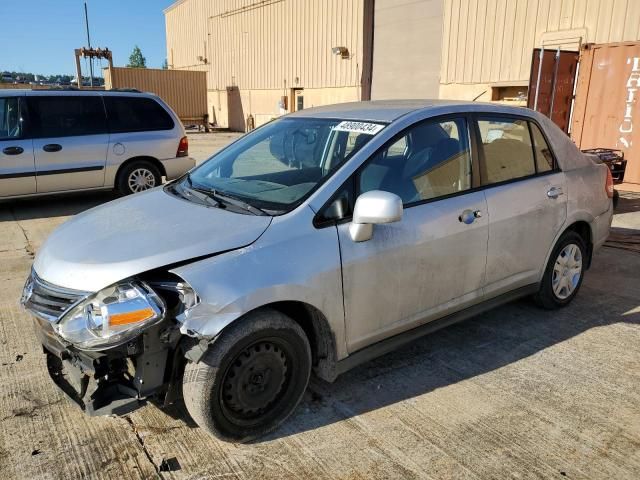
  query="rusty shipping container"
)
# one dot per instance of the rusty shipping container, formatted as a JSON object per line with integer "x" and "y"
{"x": 184, "y": 91}
{"x": 606, "y": 112}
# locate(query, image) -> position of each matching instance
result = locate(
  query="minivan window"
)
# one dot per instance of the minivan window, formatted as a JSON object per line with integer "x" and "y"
{"x": 431, "y": 159}
{"x": 277, "y": 165}
{"x": 544, "y": 157}
{"x": 10, "y": 118}
{"x": 66, "y": 116}
{"x": 136, "y": 114}
{"x": 508, "y": 153}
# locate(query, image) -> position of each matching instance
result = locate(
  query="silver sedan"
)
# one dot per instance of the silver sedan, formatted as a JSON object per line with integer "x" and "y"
{"x": 312, "y": 244}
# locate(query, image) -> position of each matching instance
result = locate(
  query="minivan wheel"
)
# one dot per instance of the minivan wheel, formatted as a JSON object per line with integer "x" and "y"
{"x": 251, "y": 378}
{"x": 564, "y": 273}
{"x": 138, "y": 176}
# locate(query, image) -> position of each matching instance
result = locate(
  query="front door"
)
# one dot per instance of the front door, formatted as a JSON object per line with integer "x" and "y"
{"x": 430, "y": 263}
{"x": 526, "y": 199}
{"x": 17, "y": 168}
{"x": 297, "y": 99}
{"x": 70, "y": 141}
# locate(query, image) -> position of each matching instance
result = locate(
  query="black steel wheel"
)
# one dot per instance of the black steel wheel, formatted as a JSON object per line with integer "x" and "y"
{"x": 251, "y": 378}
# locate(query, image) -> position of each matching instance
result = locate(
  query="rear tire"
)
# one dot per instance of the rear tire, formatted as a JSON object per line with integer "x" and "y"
{"x": 251, "y": 378}
{"x": 564, "y": 273}
{"x": 138, "y": 176}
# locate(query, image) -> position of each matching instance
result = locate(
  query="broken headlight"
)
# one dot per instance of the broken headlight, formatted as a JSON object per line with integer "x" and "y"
{"x": 112, "y": 316}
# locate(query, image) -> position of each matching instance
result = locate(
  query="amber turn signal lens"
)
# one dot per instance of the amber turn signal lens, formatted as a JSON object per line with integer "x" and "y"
{"x": 131, "y": 317}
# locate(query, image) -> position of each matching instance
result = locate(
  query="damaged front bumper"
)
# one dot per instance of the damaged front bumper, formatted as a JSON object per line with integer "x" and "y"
{"x": 117, "y": 380}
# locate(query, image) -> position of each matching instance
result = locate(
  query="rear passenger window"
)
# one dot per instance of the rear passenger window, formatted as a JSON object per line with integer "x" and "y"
{"x": 544, "y": 157}
{"x": 508, "y": 153}
{"x": 136, "y": 114}
{"x": 67, "y": 116}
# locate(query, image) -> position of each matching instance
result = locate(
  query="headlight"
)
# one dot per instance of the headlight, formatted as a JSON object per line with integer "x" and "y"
{"x": 112, "y": 316}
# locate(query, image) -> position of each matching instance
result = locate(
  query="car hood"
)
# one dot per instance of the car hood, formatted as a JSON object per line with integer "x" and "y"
{"x": 139, "y": 233}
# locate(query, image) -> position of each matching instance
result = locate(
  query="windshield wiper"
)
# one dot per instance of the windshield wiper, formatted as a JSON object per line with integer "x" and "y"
{"x": 225, "y": 198}
{"x": 235, "y": 201}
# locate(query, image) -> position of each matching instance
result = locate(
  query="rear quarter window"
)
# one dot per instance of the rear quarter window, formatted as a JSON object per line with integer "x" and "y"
{"x": 136, "y": 114}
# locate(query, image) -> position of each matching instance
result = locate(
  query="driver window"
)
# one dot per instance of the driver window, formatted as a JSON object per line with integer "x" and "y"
{"x": 431, "y": 159}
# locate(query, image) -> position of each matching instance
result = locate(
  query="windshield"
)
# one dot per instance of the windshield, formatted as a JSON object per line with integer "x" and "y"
{"x": 279, "y": 164}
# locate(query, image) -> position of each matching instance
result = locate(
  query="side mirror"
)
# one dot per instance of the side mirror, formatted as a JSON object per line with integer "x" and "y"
{"x": 373, "y": 208}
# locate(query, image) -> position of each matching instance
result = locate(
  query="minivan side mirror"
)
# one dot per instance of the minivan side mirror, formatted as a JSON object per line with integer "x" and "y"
{"x": 372, "y": 208}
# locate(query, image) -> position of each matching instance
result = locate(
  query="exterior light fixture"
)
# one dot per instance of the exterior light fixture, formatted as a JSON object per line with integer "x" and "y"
{"x": 342, "y": 51}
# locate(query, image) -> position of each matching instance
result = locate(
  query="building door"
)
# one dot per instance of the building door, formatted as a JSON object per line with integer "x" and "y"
{"x": 297, "y": 99}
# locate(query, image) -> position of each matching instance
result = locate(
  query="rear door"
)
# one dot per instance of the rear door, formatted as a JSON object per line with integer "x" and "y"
{"x": 526, "y": 200}
{"x": 17, "y": 166}
{"x": 70, "y": 141}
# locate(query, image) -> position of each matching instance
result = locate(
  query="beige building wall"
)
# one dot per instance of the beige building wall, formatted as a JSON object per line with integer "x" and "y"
{"x": 407, "y": 46}
{"x": 488, "y": 43}
{"x": 256, "y": 52}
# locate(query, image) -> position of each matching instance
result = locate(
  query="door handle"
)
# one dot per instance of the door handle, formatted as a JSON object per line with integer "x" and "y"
{"x": 554, "y": 192}
{"x": 52, "y": 147}
{"x": 12, "y": 150}
{"x": 469, "y": 216}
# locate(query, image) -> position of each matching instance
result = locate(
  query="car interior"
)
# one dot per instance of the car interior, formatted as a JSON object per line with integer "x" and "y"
{"x": 427, "y": 162}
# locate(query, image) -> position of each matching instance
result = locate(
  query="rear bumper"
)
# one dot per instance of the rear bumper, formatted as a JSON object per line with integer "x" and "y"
{"x": 111, "y": 382}
{"x": 174, "y": 167}
{"x": 601, "y": 226}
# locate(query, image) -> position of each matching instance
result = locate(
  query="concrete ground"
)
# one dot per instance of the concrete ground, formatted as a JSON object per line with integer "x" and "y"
{"x": 514, "y": 393}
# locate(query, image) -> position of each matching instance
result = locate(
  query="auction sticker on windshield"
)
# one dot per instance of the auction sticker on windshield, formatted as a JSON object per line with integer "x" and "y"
{"x": 359, "y": 127}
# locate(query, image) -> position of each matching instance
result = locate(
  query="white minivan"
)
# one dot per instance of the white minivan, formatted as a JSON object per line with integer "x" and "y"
{"x": 54, "y": 141}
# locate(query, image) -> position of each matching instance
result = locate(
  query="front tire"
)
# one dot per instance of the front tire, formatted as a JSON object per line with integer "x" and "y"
{"x": 564, "y": 273}
{"x": 251, "y": 378}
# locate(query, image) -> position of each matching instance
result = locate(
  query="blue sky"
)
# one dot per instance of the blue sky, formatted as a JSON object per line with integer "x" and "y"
{"x": 39, "y": 36}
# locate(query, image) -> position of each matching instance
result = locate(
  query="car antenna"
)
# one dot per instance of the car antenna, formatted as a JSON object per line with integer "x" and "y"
{"x": 479, "y": 96}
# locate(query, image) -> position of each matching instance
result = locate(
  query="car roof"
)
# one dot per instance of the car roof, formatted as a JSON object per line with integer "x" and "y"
{"x": 388, "y": 111}
{"x": 71, "y": 92}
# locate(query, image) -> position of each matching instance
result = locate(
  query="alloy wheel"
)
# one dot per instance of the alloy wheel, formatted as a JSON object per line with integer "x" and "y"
{"x": 140, "y": 180}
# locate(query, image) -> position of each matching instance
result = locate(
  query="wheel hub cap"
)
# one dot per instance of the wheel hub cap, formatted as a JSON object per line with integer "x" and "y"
{"x": 567, "y": 271}
{"x": 141, "y": 179}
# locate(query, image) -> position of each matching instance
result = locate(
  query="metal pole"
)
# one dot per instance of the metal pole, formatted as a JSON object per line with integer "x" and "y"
{"x": 540, "y": 58}
{"x": 553, "y": 82}
{"x": 86, "y": 21}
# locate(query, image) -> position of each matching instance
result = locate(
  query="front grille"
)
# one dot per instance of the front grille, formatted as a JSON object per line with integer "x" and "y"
{"x": 48, "y": 301}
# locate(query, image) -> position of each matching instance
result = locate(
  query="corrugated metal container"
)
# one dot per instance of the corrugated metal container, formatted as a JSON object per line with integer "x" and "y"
{"x": 183, "y": 90}
{"x": 606, "y": 112}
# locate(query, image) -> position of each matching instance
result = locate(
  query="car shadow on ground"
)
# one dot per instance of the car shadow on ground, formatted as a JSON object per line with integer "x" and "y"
{"x": 52, "y": 206}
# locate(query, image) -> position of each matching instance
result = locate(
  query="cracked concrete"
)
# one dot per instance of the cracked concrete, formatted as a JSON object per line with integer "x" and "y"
{"x": 514, "y": 393}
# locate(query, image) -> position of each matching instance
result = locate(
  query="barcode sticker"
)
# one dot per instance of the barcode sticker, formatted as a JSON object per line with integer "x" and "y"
{"x": 359, "y": 127}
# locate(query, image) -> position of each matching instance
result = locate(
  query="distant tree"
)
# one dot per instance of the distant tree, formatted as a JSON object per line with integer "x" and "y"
{"x": 136, "y": 60}
{"x": 165, "y": 64}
